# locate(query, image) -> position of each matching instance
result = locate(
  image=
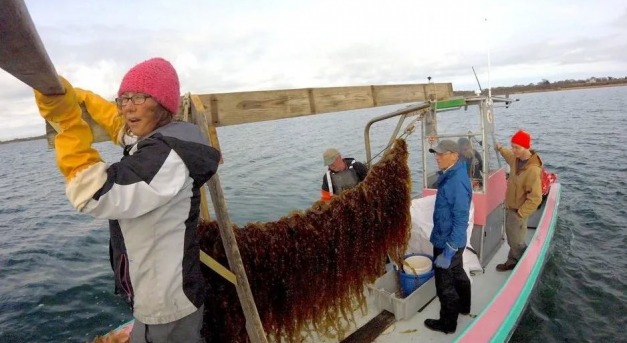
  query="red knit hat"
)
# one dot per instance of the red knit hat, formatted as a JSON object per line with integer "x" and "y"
{"x": 522, "y": 138}
{"x": 157, "y": 78}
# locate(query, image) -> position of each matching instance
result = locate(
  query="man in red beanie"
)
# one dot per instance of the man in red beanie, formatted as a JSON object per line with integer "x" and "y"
{"x": 151, "y": 197}
{"x": 523, "y": 195}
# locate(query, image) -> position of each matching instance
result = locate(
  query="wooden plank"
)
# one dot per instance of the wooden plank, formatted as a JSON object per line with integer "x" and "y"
{"x": 342, "y": 98}
{"x": 222, "y": 109}
{"x": 192, "y": 113}
{"x": 204, "y": 204}
{"x": 195, "y": 111}
{"x": 245, "y": 107}
{"x": 199, "y": 111}
{"x": 100, "y": 135}
{"x": 22, "y": 54}
{"x": 398, "y": 94}
{"x": 249, "y": 107}
{"x": 254, "y": 328}
{"x": 372, "y": 329}
{"x": 218, "y": 268}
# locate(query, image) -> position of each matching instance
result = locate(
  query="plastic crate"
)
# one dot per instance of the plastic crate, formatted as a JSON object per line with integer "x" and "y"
{"x": 386, "y": 292}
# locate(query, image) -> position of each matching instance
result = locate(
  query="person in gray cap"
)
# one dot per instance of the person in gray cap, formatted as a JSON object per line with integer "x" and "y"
{"x": 450, "y": 221}
{"x": 342, "y": 174}
{"x": 473, "y": 160}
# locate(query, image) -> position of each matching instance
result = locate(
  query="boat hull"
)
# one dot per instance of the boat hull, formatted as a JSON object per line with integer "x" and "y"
{"x": 498, "y": 320}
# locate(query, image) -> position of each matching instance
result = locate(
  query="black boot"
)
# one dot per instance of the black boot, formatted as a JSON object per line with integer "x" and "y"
{"x": 438, "y": 325}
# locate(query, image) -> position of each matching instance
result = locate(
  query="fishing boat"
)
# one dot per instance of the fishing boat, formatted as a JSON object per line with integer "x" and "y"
{"x": 498, "y": 298}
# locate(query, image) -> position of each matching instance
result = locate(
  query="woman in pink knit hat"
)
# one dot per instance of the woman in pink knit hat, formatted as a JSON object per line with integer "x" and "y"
{"x": 523, "y": 194}
{"x": 151, "y": 197}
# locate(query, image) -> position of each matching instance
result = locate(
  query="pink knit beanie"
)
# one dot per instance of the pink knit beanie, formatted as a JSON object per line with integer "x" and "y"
{"x": 157, "y": 78}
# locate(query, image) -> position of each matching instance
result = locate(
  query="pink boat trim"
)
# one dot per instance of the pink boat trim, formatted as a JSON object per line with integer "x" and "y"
{"x": 489, "y": 322}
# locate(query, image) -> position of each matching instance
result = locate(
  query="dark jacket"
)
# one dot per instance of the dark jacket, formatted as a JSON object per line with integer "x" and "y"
{"x": 474, "y": 165}
{"x": 452, "y": 206}
{"x": 359, "y": 171}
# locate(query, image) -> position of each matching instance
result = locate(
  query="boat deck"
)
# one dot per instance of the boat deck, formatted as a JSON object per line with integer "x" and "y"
{"x": 484, "y": 287}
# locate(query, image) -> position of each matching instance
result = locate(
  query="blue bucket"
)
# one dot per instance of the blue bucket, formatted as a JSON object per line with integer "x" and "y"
{"x": 411, "y": 282}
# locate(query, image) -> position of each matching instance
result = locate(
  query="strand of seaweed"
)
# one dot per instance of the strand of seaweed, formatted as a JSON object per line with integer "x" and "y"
{"x": 307, "y": 270}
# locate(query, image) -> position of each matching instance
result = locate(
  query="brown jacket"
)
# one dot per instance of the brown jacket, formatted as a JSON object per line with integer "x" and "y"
{"x": 524, "y": 186}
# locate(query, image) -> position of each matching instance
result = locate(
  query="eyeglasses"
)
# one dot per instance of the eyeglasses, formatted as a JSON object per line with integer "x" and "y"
{"x": 136, "y": 99}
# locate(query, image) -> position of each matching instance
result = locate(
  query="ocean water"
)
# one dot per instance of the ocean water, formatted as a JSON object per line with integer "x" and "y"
{"x": 56, "y": 282}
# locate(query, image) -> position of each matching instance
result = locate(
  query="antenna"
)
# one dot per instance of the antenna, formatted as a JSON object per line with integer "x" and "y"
{"x": 477, "y": 78}
{"x": 488, "y": 43}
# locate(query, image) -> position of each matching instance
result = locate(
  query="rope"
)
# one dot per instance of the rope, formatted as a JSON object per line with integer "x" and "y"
{"x": 409, "y": 129}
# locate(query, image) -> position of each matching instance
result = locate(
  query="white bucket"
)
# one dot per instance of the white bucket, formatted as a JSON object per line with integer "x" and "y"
{"x": 417, "y": 265}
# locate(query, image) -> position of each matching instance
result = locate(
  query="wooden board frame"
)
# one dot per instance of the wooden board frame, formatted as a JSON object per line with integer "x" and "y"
{"x": 223, "y": 109}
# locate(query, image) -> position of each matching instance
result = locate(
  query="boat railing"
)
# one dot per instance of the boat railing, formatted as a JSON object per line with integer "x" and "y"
{"x": 412, "y": 110}
{"x": 459, "y": 134}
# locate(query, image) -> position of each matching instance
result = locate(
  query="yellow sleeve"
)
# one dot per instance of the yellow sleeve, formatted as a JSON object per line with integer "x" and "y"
{"x": 104, "y": 112}
{"x": 73, "y": 144}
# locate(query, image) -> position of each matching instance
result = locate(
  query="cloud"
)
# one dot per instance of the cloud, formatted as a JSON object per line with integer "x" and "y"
{"x": 17, "y": 117}
{"x": 621, "y": 22}
{"x": 246, "y": 45}
{"x": 578, "y": 50}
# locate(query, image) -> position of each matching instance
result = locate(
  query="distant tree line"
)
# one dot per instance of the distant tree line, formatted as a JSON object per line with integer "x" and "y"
{"x": 546, "y": 85}
{"x": 23, "y": 139}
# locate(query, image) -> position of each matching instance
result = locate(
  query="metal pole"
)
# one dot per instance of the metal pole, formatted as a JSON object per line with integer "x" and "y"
{"x": 404, "y": 111}
{"x": 254, "y": 327}
{"x": 423, "y": 147}
{"x": 22, "y": 54}
{"x": 244, "y": 293}
{"x": 482, "y": 110}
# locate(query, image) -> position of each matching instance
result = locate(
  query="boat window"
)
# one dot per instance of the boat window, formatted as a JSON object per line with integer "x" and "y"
{"x": 463, "y": 127}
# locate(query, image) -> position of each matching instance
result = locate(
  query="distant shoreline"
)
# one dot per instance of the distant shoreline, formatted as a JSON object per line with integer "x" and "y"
{"x": 558, "y": 89}
{"x": 544, "y": 88}
{"x": 16, "y": 140}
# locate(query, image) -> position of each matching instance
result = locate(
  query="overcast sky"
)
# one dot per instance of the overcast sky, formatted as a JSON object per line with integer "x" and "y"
{"x": 224, "y": 46}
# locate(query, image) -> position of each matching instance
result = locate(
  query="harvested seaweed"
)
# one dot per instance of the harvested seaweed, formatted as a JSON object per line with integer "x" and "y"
{"x": 307, "y": 270}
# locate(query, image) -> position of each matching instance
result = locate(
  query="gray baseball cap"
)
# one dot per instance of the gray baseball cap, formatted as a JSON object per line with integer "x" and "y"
{"x": 330, "y": 155}
{"x": 444, "y": 146}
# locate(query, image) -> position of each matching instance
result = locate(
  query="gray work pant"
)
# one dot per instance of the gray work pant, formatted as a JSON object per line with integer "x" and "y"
{"x": 516, "y": 230}
{"x": 186, "y": 329}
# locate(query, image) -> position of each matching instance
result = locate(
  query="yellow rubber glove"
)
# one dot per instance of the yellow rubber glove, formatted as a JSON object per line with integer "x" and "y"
{"x": 73, "y": 143}
{"x": 104, "y": 112}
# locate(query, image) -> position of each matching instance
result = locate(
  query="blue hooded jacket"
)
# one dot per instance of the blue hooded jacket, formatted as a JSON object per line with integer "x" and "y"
{"x": 452, "y": 204}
